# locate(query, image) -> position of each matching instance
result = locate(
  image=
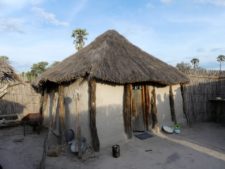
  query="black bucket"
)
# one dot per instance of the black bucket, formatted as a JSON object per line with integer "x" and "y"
{"x": 115, "y": 151}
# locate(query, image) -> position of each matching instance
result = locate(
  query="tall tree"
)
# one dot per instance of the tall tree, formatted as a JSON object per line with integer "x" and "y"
{"x": 39, "y": 68}
{"x": 183, "y": 66}
{"x": 4, "y": 58}
{"x": 36, "y": 70}
{"x": 220, "y": 59}
{"x": 79, "y": 36}
{"x": 195, "y": 62}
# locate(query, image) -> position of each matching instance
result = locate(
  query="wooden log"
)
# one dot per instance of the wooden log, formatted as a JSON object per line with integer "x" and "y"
{"x": 127, "y": 110}
{"x": 143, "y": 105}
{"x": 147, "y": 106}
{"x": 61, "y": 112}
{"x": 182, "y": 88}
{"x": 43, "y": 102}
{"x": 92, "y": 111}
{"x": 77, "y": 127}
{"x": 172, "y": 107}
{"x": 154, "y": 109}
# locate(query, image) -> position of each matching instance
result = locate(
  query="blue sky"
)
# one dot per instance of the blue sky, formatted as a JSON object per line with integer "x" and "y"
{"x": 172, "y": 30}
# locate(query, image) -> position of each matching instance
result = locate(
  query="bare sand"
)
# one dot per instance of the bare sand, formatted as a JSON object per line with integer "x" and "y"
{"x": 201, "y": 146}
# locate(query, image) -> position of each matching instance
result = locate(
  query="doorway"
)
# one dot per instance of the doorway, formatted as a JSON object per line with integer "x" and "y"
{"x": 140, "y": 108}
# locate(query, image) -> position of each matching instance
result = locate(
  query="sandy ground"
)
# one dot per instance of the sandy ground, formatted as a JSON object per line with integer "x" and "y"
{"x": 202, "y": 146}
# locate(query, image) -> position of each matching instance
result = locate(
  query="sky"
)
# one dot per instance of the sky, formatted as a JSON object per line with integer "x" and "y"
{"x": 174, "y": 31}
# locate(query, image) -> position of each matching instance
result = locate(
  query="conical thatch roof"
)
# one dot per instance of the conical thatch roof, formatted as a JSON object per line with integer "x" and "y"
{"x": 6, "y": 72}
{"x": 112, "y": 58}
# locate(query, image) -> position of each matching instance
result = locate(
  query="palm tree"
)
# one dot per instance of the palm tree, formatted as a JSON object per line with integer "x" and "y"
{"x": 220, "y": 59}
{"x": 195, "y": 62}
{"x": 79, "y": 36}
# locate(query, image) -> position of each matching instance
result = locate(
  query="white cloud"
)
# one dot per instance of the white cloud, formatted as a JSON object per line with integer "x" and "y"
{"x": 213, "y": 2}
{"x": 49, "y": 17}
{"x": 11, "y": 25}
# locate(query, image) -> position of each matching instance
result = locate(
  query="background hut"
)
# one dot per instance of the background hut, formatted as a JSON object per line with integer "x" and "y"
{"x": 17, "y": 98}
{"x": 108, "y": 89}
{"x": 7, "y": 74}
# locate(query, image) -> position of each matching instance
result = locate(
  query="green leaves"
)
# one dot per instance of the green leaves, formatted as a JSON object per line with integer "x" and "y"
{"x": 195, "y": 62}
{"x": 4, "y": 58}
{"x": 79, "y": 36}
{"x": 36, "y": 70}
{"x": 221, "y": 58}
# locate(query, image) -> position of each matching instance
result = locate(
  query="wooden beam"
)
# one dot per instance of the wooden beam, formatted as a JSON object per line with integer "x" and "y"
{"x": 143, "y": 105}
{"x": 147, "y": 106}
{"x": 61, "y": 112}
{"x": 127, "y": 110}
{"x": 172, "y": 107}
{"x": 154, "y": 109}
{"x": 43, "y": 101}
{"x": 92, "y": 111}
{"x": 182, "y": 89}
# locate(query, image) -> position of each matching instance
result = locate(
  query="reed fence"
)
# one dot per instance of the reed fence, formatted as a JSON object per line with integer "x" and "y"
{"x": 204, "y": 87}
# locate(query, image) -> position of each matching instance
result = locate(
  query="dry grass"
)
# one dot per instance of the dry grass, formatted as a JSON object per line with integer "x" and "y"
{"x": 112, "y": 58}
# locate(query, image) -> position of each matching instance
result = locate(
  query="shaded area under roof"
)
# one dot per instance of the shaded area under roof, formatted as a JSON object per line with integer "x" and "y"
{"x": 112, "y": 58}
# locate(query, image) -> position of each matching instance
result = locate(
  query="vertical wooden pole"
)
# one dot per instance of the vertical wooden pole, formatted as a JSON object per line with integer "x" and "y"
{"x": 154, "y": 109}
{"x": 92, "y": 109}
{"x": 147, "y": 106}
{"x": 143, "y": 105}
{"x": 182, "y": 88}
{"x": 43, "y": 101}
{"x": 172, "y": 107}
{"x": 127, "y": 110}
{"x": 61, "y": 111}
{"x": 77, "y": 127}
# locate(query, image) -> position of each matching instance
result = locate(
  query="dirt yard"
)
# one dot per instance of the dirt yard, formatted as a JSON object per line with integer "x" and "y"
{"x": 202, "y": 146}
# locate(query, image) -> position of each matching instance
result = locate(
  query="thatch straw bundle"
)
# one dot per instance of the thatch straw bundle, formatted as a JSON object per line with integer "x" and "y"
{"x": 112, "y": 58}
{"x": 6, "y": 72}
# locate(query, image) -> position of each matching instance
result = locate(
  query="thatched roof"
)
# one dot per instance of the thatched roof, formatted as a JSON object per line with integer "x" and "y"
{"x": 6, "y": 72}
{"x": 112, "y": 58}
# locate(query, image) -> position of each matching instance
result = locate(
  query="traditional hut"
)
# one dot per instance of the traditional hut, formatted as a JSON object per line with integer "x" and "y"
{"x": 7, "y": 74}
{"x": 18, "y": 98}
{"x": 108, "y": 89}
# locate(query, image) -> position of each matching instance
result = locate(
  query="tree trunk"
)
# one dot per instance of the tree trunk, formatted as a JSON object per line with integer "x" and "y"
{"x": 154, "y": 109}
{"x": 92, "y": 109}
{"x": 172, "y": 107}
{"x": 127, "y": 110}
{"x": 182, "y": 88}
{"x": 61, "y": 112}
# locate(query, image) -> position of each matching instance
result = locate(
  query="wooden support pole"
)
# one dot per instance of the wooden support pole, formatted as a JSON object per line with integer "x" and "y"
{"x": 147, "y": 106}
{"x": 182, "y": 89}
{"x": 154, "y": 109}
{"x": 43, "y": 102}
{"x": 172, "y": 107}
{"x": 127, "y": 110}
{"x": 143, "y": 105}
{"x": 92, "y": 111}
{"x": 61, "y": 112}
